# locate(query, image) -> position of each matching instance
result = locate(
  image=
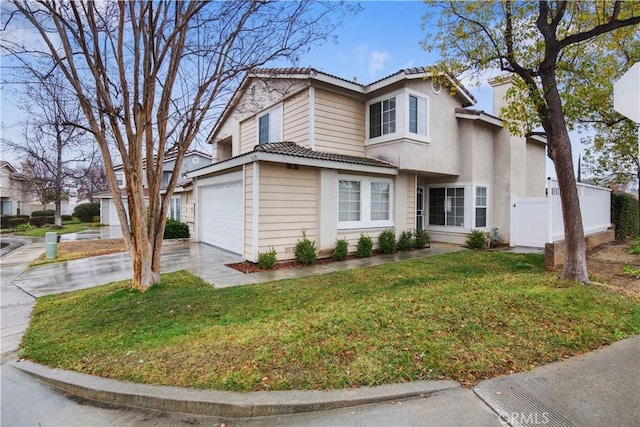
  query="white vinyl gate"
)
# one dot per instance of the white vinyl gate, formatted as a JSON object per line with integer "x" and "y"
{"x": 538, "y": 220}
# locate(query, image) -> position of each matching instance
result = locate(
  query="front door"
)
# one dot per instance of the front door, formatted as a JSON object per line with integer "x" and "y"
{"x": 419, "y": 208}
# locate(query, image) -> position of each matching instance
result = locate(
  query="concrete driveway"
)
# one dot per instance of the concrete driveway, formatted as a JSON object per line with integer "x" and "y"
{"x": 202, "y": 260}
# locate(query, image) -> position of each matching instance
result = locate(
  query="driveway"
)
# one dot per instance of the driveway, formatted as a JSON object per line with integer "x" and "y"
{"x": 202, "y": 260}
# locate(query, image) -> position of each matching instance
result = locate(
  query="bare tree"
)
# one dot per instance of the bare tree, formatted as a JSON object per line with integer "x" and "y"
{"x": 92, "y": 181}
{"x": 55, "y": 149}
{"x": 148, "y": 75}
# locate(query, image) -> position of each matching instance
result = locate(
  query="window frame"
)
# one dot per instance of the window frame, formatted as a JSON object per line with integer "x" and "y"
{"x": 402, "y": 117}
{"x": 269, "y": 113}
{"x": 446, "y": 188}
{"x": 419, "y": 97}
{"x": 120, "y": 179}
{"x": 172, "y": 208}
{"x": 365, "y": 203}
{"x": 477, "y": 206}
{"x": 469, "y": 211}
{"x": 397, "y": 95}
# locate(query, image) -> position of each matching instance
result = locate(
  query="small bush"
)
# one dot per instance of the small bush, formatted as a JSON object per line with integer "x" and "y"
{"x": 624, "y": 215}
{"x": 421, "y": 239}
{"x": 96, "y": 219}
{"x": 23, "y": 227}
{"x": 267, "y": 260}
{"x": 66, "y": 218}
{"x": 387, "y": 241}
{"x": 14, "y": 222}
{"x": 50, "y": 219}
{"x": 635, "y": 247}
{"x": 306, "y": 251}
{"x": 176, "y": 230}
{"x": 38, "y": 221}
{"x": 342, "y": 250}
{"x": 86, "y": 211}
{"x": 477, "y": 239}
{"x": 364, "y": 248}
{"x": 48, "y": 212}
{"x": 405, "y": 242}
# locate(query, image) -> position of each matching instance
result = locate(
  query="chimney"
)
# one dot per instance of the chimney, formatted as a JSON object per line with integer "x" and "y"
{"x": 500, "y": 86}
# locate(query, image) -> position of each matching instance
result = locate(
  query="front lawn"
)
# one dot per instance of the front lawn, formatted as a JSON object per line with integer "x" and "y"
{"x": 465, "y": 316}
{"x": 82, "y": 249}
{"x": 71, "y": 227}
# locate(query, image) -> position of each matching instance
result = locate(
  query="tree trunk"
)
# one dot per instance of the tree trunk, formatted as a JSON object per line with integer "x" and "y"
{"x": 575, "y": 255}
{"x": 58, "y": 214}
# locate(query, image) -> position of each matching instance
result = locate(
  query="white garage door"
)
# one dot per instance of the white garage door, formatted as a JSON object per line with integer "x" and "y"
{"x": 221, "y": 215}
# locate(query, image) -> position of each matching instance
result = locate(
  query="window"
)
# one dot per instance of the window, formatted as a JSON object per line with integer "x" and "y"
{"x": 481, "y": 206}
{"x": 166, "y": 176}
{"x": 174, "y": 208}
{"x": 120, "y": 179}
{"x": 270, "y": 126}
{"x": 382, "y": 117}
{"x": 349, "y": 201}
{"x": 417, "y": 115}
{"x": 379, "y": 201}
{"x": 18, "y": 206}
{"x": 446, "y": 206}
{"x": 364, "y": 202}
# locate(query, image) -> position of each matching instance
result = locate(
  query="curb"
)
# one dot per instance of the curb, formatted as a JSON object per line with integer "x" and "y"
{"x": 224, "y": 403}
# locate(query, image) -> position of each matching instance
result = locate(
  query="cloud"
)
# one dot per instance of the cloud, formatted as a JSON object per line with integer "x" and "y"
{"x": 376, "y": 61}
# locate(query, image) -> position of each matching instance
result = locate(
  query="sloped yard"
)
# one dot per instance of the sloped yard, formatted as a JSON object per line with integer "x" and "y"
{"x": 465, "y": 316}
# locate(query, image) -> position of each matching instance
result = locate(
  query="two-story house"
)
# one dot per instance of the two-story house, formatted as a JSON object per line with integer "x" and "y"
{"x": 181, "y": 207}
{"x": 15, "y": 198}
{"x": 298, "y": 149}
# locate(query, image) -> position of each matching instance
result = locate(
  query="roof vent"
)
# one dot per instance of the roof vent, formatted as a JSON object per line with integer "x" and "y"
{"x": 436, "y": 86}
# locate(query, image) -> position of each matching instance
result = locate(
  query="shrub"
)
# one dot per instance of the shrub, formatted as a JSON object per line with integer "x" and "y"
{"x": 23, "y": 227}
{"x": 86, "y": 211}
{"x": 66, "y": 218}
{"x": 635, "y": 247}
{"x": 306, "y": 251}
{"x": 624, "y": 215}
{"x": 48, "y": 212}
{"x": 38, "y": 221}
{"x": 342, "y": 250}
{"x": 387, "y": 241}
{"x": 14, "y": 222}
{"x": 95, "y": 218}
{"x": 477, "y": 239}
{"x": 364, "y": 249}
{"x": 4, "y": 221}
{"x": 405, "y": 242}
{"x": 267, "y": 260}
{"x": 50, "y": 219}
{"x": 175, "y": 230}
{"x": 421, "y": 239}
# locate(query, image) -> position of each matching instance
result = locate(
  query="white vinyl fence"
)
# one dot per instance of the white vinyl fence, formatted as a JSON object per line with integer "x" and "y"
{"x": 538, "y": 220}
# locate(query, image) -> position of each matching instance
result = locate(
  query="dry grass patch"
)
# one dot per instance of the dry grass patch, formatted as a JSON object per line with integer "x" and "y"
{"x": 82, "y": 249}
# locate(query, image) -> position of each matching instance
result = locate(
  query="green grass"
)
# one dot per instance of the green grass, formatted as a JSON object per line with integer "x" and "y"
{"x": 465, "y": 316}
{"x": 71, "y": 227}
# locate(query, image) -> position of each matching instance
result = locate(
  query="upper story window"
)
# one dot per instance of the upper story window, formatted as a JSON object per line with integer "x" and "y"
{"x": 401, "y": 114}
{"x": 270, "y": 126}
{"x": 417, "y": 115}
{"x": 382, "y": 117}
{"x": 120, "y": 179}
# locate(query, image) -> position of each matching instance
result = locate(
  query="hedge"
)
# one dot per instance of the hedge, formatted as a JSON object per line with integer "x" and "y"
{"x": 14, "y": 222}
{"x": 624, "y": 215}
{"x": 4, "y": 220}
{"x": 48, "y": 212}
{"x": 38, "y": 221}
{"x": 87, "y": 211}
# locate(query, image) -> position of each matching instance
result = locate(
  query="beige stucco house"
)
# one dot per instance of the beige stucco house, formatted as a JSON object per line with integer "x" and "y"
{"x": 15, "y": 198}
{"x": 298, "y": 149}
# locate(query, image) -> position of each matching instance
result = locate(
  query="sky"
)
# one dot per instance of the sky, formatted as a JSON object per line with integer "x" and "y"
{"x": 380, "y": 40}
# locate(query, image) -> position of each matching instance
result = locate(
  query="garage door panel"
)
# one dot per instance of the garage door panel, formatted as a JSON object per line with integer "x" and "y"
{"x": 221, "y": 215}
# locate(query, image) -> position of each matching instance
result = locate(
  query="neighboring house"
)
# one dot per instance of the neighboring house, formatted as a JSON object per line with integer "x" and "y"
{"x": 298, "y": 149}
{"x": 15, "y": 198}
{"x": 181, "y": 207}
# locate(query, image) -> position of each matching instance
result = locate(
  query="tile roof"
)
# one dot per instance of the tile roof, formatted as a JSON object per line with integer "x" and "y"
{"x": 289, "y": 148}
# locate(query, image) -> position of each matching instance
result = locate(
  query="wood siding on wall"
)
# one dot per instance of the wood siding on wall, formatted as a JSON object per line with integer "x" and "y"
{"x": 296, "y": 119}
{"x": 339, "y": 123}
{"x": 288, "y": 205}
{"x": 248, "y": 135}
{"x": 248, "y": 211}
